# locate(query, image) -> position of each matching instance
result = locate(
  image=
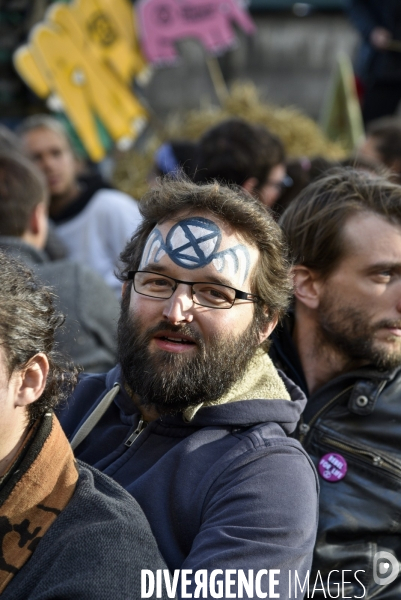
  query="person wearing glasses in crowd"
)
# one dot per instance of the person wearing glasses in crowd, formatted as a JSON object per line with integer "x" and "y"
{"x": 248, "y": 155}
{"x": 194, "y": 420}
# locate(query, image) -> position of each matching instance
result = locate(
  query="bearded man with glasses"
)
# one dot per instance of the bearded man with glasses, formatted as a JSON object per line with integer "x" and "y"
{"x": 194, "y": 420}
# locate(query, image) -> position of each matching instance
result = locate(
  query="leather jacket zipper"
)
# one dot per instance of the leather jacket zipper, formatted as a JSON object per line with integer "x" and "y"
{"x": 141, "y": 426}
{"x": 365, "y": 454}
{"x": 304, "y": 428}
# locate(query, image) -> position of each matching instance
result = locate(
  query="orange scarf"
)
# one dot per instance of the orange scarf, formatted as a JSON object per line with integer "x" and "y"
{"x": 37, "y": 488}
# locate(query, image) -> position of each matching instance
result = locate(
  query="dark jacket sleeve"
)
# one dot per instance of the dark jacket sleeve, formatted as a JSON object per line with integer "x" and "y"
{"x": 260, "y": 514}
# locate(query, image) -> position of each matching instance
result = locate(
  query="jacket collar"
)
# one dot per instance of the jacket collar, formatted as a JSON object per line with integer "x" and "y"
{"x": 36, "y": 489}
{"x": 367, "y": 382}
{"x": 284, "y": 352}
{"x": 20, "y": 249}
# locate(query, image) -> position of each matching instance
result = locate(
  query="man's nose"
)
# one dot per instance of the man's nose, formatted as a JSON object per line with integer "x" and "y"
{"x": 178, "y": 308}
{"x": 45, "y": 161}
{"x": 48, "y": 163}
{"x": 44, "y": 166}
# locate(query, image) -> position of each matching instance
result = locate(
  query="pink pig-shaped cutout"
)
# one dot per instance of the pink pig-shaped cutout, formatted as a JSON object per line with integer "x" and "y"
{"x": 163, "y": 22}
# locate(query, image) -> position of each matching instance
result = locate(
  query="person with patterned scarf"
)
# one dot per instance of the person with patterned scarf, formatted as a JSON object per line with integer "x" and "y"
{"x": 66, "y": 530}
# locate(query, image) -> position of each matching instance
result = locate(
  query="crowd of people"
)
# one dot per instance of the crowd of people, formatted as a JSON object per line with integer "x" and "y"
{"x": 235, "y": 425}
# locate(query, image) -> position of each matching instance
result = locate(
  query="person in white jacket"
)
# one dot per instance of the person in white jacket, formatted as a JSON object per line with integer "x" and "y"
{"x": 93, "y": 220}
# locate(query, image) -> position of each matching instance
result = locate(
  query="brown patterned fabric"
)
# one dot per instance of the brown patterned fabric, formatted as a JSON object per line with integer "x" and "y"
{"x": 33, "y": 493}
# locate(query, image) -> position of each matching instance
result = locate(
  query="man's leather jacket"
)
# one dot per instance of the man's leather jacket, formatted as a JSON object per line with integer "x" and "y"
{"x": 357, "y": 416}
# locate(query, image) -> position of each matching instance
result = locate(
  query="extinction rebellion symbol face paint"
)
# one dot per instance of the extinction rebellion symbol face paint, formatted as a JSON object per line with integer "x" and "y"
{"x": 333, "y": 467}
{"x": 193, "y": 243}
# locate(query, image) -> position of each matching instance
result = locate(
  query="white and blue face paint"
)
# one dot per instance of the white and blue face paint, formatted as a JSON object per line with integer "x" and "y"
{"x": 194, "y": 243}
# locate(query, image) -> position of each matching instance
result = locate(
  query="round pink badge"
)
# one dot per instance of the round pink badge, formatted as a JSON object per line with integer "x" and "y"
{"x": 333, "y": 467}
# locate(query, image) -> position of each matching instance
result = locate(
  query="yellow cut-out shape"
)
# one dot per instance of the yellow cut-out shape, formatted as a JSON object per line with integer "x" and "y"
{"x": 30, "y": 72}
{"x": 87, "y": 87}
{"x": 104, "y": 29}
{"x": 124, "y": 13}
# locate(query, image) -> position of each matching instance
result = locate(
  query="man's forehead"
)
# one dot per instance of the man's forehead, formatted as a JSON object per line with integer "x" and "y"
{"x": 371, "y": 237}
{"x": 45, "y": 136}
{"x": 194, "y": 242}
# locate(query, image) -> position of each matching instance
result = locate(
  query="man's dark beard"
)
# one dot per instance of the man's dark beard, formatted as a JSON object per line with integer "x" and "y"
{"x": 348, "y": 330}
{"x": 171, "y": 382}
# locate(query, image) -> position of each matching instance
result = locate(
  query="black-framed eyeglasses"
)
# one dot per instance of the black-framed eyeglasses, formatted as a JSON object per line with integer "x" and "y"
{"x": 282, "y": 185}
{"x": 204, "y": 293}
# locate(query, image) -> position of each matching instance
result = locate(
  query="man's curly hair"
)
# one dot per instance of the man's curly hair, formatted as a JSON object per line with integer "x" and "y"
{"x": 177, "y": 197}
{"x": 28, "y": 322}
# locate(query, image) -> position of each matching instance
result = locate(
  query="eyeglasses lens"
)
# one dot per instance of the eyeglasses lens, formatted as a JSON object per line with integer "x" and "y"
{"x": 212, "y": 295}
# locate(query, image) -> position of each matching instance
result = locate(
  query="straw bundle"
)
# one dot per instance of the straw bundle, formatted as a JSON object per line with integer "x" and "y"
{"x": 300, "y": 135}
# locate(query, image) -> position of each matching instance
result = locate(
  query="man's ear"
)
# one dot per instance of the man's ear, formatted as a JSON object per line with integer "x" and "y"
{"x": 36, "y": 232}
{"x": 307, "y": 286}
{"x": 267, "y": 328}
{"x": 31, "y": 380}
{"x": 250, "y": 185}
{"x": 38, "y": 218}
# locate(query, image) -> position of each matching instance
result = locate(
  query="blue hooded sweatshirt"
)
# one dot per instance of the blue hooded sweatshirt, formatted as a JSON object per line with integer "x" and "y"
{"x": 226, "y": 490}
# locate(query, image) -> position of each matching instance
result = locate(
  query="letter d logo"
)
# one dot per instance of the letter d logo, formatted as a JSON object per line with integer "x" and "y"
{"x": 385, "y": 568}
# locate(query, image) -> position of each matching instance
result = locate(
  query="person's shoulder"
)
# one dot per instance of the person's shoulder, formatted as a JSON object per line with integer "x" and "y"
{"x": 72, "y": 274}
{"x": 90, "y": 386}
{"x": 104, "y": 516}
{"x": 67, "y": 273}
{"x": 101, "y": 381}
{"x": 113, "y": 198}
{"x": 115, "y": 209}
{"x": 270, "y": 438}
{"x": 95, "y": 549}
{"x": 63, "y": 275}
{"x": 88, "y": 393}
{"x": 102, "y": 498}
{"x": 58, "y": 270}
{"x": 94, "y": 288}
{"x": 265, "y": 447}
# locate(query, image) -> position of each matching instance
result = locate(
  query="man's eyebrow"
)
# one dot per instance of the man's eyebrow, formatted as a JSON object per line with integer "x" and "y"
{"x": 155, "y": 267}
{"x": 219, "y": 279}
{"x": 382, "y": 266}
{"x": 207, "y": 278}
